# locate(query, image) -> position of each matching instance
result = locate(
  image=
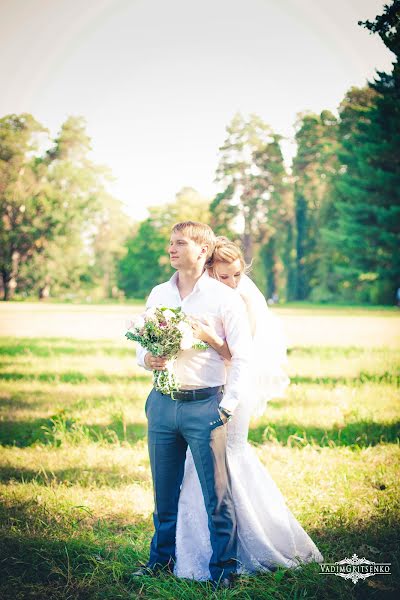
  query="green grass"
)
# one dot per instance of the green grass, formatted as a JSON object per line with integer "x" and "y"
{"x": 75, "y": 485}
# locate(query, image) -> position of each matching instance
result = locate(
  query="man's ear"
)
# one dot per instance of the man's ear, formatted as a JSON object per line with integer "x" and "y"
{"x": 204, "y": 250}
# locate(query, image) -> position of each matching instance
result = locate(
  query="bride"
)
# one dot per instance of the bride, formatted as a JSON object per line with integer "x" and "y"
{"x": 268, "y": 534}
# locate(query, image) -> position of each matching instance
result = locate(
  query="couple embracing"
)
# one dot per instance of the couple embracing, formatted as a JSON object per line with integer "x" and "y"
{"x": 217, "y": 511}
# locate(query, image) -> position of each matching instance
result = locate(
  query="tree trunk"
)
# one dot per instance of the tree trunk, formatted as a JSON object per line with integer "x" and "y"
{"x": 5, "y": 285}
{"x": 44, "y": 290}
{"x": 247, "y": 248}
{"x": 247, "y": 238}
{"x": 301, "y": 219}
{"x": 290, "y": 263}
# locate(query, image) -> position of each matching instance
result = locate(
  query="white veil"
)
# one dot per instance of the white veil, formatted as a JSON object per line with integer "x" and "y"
{"x": 268, "y": 377}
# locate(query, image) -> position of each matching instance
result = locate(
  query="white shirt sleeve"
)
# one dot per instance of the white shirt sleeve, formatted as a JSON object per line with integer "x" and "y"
{"x": 140, "y": 351}
{"x": 140, "y": 354}
{"x": 238, "y": 338}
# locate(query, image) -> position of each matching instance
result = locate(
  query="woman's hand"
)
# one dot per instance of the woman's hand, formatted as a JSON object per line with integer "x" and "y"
{"x": 203, "y": 331}
{"x": 206, "y": 333}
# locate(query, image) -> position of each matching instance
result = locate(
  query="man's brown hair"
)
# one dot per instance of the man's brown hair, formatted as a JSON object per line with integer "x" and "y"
{"x": 198, "y": 232}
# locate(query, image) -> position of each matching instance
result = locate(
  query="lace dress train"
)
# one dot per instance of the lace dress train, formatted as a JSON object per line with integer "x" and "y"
{"x": 268, "y": 533}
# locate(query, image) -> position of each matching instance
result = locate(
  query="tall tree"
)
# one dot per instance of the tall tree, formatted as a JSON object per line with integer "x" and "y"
{"x": 368, "y": 211}
{"x": 256, "y": 204}
{"x": 354, "y": 116}
{"x": 111, "y": 229}
{"x": 314, "y": 168}
{"x": 27, "y": 206}
{"x": 43, "y": 195}
{"x": 242, "y": 203}
{"x": 61, "y": 270}
{"x": 275, "y": 232}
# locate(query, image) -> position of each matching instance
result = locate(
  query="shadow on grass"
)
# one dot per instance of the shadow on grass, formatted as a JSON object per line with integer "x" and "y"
{"x": 77, "y": 377}
{"x": 41, "y": 559}
{"x": 70, "y": 398}
{"x": 356, "y": 434}
{"x": 99, "y": 566}
{"x": 85, "y": 477}
{"x": 61, "y": 428}
{"x": 13, "y": 401}
{"x": 23, "y": 433}
{"x": 74, "y": 377}
{"x": 361, "y": 378}
{"x": 47, "y": 348}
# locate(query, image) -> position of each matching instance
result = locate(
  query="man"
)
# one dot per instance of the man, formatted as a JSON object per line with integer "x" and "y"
{"x": 196, "y": 414}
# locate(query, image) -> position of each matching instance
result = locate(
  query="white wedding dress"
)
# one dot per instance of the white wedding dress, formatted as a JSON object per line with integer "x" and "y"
{"x": 268, "y": 534}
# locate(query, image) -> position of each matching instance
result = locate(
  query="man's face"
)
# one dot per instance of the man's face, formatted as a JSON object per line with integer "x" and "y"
{"x": 184, "y": 252}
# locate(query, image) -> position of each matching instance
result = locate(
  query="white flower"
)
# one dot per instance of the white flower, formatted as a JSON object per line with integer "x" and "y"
{"x": 129, "y": 324}
{"x": 150, "y": 314}
{"x": 139, "y": 322}
{"x": 187, "y": 335}
{"x": 184, "y": 327}
{"x": 168, "y": 314}
{"x": 187, "y": 341}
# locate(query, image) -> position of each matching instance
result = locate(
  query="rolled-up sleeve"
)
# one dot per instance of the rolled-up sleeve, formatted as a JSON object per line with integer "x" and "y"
{"x": 238, "y": 337}
{"x": 140, "y": 354}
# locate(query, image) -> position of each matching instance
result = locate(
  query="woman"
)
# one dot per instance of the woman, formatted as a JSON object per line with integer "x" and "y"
{"x": 268, "y": 533}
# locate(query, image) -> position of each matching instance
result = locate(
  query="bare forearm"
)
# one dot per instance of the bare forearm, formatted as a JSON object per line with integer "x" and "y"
{"x": 219, "y": 346}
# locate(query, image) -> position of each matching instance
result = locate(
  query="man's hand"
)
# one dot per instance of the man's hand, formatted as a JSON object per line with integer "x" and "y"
{"x": 223, "y": 417}
{"x": 225, "y": 414}
{"x": 155, "y": 363}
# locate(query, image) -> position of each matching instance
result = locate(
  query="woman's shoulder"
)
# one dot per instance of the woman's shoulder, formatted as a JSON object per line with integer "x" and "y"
{"x": 248, "y": 289}
{"x": 220, "y": 288}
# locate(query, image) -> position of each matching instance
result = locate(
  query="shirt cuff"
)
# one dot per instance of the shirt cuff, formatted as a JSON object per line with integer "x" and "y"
{"x": 229, "y": 403}
{"x": 140, "y": 354}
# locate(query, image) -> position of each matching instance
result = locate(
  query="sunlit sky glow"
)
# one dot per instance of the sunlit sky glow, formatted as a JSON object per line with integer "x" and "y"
{"x": 159, "y": 80}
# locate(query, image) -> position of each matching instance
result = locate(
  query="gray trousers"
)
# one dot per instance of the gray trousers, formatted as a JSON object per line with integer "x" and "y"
{"x": 172, "y": 426}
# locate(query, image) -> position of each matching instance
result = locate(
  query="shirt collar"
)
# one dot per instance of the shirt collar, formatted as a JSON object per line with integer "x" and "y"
{"x": 201, "y": 283}
{"x": 174, "y": 280}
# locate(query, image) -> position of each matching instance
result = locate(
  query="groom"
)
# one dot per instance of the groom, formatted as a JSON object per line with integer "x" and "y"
{"x": 196, "y": 415}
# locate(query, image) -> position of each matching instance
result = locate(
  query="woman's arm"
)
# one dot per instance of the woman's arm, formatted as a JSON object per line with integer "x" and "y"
{"x": 221, "y": 347}
{"x": 207, "y": 333}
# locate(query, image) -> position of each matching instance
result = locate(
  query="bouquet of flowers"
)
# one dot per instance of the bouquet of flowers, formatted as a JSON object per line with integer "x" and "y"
{"x": 164, "y": 332}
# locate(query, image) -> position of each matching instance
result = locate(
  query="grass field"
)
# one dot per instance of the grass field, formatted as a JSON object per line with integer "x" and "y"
{"x": 75, "y": 485}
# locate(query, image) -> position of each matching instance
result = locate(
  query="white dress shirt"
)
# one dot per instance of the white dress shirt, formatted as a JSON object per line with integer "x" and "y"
{"x": 225, "y": 310}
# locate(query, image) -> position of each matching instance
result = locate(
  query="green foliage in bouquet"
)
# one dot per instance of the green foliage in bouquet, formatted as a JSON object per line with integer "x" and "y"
{"x": 165, "y": 332}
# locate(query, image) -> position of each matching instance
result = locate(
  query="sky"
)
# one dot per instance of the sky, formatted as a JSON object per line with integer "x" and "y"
{"x": 159, "y": 80}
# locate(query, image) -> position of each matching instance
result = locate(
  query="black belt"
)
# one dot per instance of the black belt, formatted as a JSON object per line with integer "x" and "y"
{"x": 188, "y": 395}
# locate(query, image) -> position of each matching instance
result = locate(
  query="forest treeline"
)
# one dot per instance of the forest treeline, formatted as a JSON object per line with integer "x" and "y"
{"x": 325, "y": 230}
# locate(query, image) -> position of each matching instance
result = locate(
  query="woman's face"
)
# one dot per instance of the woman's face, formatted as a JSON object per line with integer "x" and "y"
{"x": 228, "y": 273}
